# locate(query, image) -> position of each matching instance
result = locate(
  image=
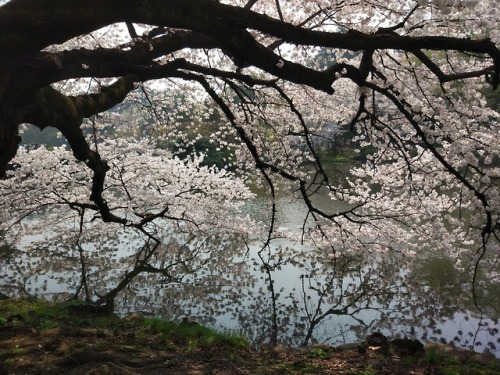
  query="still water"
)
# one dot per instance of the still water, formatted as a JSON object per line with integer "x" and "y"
{"x": 290, "y": 293}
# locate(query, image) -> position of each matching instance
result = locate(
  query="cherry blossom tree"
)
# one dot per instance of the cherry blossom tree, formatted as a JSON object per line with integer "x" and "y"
{"x": 131, "y": 84}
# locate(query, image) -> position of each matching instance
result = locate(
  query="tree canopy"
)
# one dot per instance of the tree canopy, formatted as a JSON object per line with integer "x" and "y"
{"x": 269, "y": 82}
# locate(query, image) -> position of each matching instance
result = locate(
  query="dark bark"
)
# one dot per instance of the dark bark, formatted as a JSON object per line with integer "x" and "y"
{"x": 9, "y": 137}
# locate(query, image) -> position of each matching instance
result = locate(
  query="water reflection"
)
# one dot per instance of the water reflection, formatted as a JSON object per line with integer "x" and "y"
{"x": 222, "y": 281}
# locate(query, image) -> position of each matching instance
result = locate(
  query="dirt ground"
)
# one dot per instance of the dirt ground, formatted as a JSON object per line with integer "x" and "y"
{"x": 94, "y": 351}
{"x": 76, "y": 341}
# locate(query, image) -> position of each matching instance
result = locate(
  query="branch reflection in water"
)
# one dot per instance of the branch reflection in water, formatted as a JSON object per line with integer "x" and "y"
{"x": 224, "y": 281}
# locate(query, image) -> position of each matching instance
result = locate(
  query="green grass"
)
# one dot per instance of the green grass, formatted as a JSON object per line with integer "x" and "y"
{"x": 453, "y": 366}
{"x": 193, "y": 335}
{"x": 17, "y": 350}
{"x": 321, "y": 353}
{"x": 45, "y": 315}
{"x": 458, "y": 368}
{"x": 30, "y": 311}
{"x": 432, "y": 356}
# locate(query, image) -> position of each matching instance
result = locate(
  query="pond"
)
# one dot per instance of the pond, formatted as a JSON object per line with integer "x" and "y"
{"x": 286, "y": 293}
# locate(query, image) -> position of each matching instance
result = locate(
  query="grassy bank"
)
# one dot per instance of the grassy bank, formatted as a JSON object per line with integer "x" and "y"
{"x": 37, "y": 337}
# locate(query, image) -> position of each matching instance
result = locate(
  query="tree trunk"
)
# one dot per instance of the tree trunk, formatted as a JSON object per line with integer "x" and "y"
{"x": 9, "y": 137}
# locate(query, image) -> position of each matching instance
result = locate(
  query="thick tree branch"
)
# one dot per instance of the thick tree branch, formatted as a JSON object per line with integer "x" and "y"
{"x": 51, "y": 108}
{"x": 443, "y": 78}
{"x": 244, "y": 46}
{"x": 211, "y": 18}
